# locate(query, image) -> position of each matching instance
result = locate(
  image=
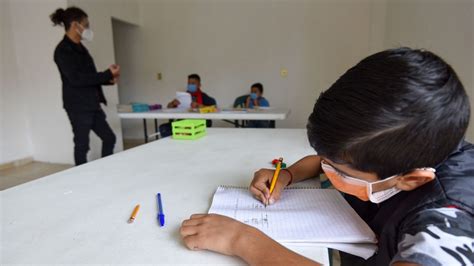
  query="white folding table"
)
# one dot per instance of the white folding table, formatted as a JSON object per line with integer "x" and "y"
{"x": 79, "y": 216}
{"x": 230, "y": 115}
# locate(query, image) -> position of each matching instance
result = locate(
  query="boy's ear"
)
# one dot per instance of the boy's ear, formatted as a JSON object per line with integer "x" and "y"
{"x": 414, "y": 179}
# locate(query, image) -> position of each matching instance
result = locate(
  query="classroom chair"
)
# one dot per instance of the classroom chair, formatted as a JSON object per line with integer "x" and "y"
{"x": 239, "y": 102}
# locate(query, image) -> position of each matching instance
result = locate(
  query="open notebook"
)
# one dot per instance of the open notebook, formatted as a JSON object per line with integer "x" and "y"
{"x": 302, "y": 216}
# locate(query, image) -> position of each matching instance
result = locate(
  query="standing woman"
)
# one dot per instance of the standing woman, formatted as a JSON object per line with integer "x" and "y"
{"x": 82, "y": 90}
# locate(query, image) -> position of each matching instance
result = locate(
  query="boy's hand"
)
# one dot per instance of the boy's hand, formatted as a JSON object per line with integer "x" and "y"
{"x": 215, "y": 232}
{"x": 228, "y": 236}
{"x": 247, "y": 102}
{"x": 173, "y": 104}
{"x": 260, "y": 186}
{"x": 196, "y": 105}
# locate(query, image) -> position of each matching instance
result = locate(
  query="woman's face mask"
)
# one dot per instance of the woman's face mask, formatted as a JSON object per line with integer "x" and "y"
{"x": 87, "y": 34}
{"x": 253, "y": 96}
{"x": 360, "y": 188}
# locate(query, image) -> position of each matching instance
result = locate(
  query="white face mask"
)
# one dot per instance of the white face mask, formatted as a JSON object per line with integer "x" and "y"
{"x": 361, "y": 188}
{"x": 87, "y": 34}
{"x": 380, "y": 196}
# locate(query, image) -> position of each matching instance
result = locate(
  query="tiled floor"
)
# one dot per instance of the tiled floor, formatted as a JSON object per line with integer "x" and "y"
{"x": 18, "y": 175}
{"x": 132, "y": 143}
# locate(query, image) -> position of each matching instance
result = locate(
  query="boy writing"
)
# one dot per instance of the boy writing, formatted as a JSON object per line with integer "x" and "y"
{"x": 389, "y": 135}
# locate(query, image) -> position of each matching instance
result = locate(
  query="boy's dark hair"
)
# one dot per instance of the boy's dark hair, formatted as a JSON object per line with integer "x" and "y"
{"x": 195, "y": 76}
{"x": 259, "y": 86}
{"x": 394, "y": 111}
{"x": 67, "y": 17}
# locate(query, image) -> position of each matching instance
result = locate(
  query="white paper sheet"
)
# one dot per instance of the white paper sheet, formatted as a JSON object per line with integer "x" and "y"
{"x": 184, "y": 98}
{"x": 302, "y": 215}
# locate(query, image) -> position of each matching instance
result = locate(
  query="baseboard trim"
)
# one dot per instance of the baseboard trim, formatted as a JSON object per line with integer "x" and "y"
{"x": 16, "y": 163}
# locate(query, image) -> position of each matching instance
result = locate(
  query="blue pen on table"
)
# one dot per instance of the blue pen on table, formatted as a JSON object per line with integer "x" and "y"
{"x": 161, "y": 215}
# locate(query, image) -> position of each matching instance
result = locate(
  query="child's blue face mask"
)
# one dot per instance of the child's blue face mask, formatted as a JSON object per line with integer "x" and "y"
{"x": 192, "y": 88}
{"x": 253, "y": 96}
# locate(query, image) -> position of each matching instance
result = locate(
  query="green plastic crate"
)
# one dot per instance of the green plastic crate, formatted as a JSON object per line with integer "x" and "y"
{"x": 189, "y": 129}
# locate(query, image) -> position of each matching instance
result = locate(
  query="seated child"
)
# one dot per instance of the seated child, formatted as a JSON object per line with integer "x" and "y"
{"x": 389, "y": 134}
{"x": 199, "y": 98}
{"x": 255, "y": 100}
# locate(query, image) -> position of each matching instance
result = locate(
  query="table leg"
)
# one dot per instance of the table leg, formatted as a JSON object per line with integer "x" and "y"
{"x": 235, "y": 122}
{"x": 145, "y": 130}
{"x": 156, "y": 128}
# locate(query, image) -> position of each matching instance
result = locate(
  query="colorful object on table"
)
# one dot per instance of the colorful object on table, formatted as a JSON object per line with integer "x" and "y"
{"x": 134, "y": 214}
{"x": 275, "y": 162}
{"x": 155, "y": 107}
{"x": 161, "y": 214}
{"x": 189, "y": 129}
{"x": 124, "y": 108}
{"x": 208, "y": 109}
{"x": 143, "y": 107}
{"x": 140, "y": 107}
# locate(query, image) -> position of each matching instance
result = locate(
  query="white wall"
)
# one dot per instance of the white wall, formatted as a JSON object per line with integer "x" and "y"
{"x": 38, "y": 77}
{"x": 15, "y": 141}
{"x": 233, "y": 44}
{"x": 31, "y": 107}
{"x": 33, "y": 121}
{"x": 444, "y": 27}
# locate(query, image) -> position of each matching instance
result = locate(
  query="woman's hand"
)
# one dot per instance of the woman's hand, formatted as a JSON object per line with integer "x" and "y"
{"x": 260, "y": 186}
{"x": 115, "y": 70}
{"x": 215, "y": 232}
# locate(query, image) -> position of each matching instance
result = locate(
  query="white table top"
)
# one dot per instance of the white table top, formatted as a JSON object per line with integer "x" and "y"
{"x": 249, "y": 114}
{"x": 80, "y": 215}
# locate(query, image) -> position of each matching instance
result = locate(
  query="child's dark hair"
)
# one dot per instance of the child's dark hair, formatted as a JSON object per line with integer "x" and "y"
{"x": 259, "y": 87}
{"x": 195, "y": 76}
{"x": 394, "y": 111}
{"x": 68, "y": 16}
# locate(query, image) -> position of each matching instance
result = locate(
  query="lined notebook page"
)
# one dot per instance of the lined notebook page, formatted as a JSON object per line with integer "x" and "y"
{"x": 301, "y": 215}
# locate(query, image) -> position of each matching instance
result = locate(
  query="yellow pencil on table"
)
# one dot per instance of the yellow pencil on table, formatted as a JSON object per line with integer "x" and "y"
{"x": 134, "y": 214}
{"x": 275, "y": 177}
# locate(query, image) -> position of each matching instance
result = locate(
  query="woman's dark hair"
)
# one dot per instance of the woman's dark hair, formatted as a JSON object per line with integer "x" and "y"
{"x": 394, "y": 111}
{"x": 68, "y": 16}
{"x": 259, "y": 87}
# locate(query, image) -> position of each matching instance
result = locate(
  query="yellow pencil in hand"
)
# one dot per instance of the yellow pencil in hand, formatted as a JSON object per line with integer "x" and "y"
{"x": 275, "y": 176}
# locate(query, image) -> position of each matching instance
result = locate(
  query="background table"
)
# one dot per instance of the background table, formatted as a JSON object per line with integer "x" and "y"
{"x": 80, "y": 215}
{"x": 226, "y": 115}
